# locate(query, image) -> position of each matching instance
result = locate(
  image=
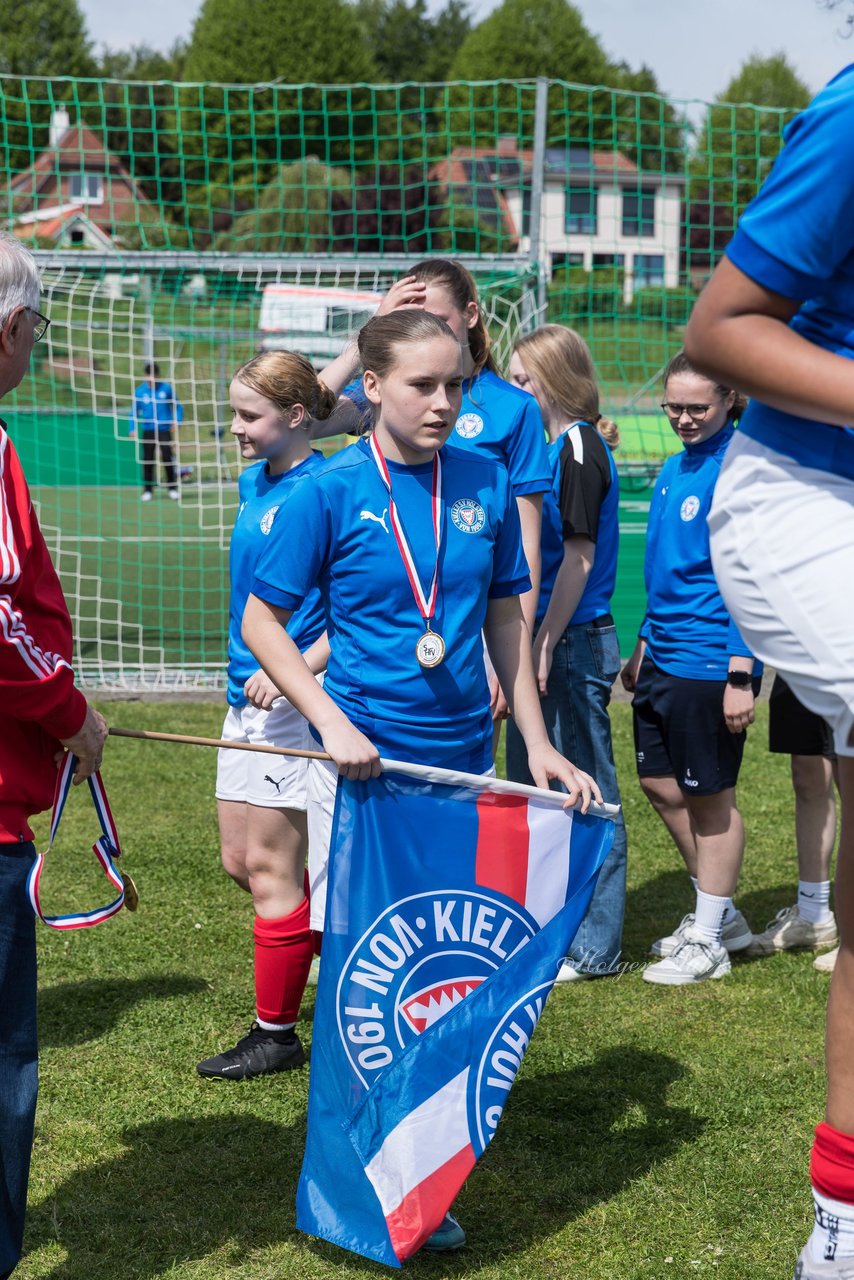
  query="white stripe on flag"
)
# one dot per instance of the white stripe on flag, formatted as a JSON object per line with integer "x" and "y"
{"x": 431, "y": 1135}
{"x": 548, "y": 860}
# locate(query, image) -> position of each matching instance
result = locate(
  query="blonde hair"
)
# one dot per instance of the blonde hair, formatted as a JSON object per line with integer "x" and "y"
{"x": 560, "y": 361}
{"x": 287, "y": 378}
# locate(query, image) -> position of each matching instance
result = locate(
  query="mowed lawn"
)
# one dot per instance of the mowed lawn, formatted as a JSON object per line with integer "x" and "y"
{"x": 653, "y": 1133}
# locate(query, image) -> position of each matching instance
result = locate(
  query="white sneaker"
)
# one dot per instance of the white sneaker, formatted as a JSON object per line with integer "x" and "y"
{"x": 735, "y": 936}
{"x": 568, "y": 973}
{"x": 827, "y": 962}
{"x": 173, "y": 494}
{"x": 146, "y": 495}
{"x": 692, "y": 961}
{"x": 838, "y": 1269}
{"x": 788, "y": 932}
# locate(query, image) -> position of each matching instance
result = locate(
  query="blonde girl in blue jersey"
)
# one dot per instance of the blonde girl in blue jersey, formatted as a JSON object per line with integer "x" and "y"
{"x": 379, "y": 698}
{"x": 778, "y": 318}
{"x": 261, "y": 799}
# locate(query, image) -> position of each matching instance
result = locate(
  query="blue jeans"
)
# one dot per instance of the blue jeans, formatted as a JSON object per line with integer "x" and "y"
{"x": 18, "y": 1046}
{"x": 586, "y": 663}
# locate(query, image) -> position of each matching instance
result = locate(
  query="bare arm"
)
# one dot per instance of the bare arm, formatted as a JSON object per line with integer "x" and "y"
{"x": 265, "y": 635}
{"x": 509, "y": 644}
{"x": 530, "y": 506}
{"x": 738, "y": 333}
{"x": 578, "y": 556}
{"x": 629, "y": 673}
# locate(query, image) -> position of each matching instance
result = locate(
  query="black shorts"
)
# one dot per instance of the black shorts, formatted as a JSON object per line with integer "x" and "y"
{"x": 793, "y": 730}
{"x": 680, "y": 732}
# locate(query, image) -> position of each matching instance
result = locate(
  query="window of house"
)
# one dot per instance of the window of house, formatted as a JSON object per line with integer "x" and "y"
{"x": 582, "y": 211}
{"x": 639, "y": 212}
{"x": 560, "y": 261}
{"x": 648, "y": 270}
{"x": 87, "y": 186}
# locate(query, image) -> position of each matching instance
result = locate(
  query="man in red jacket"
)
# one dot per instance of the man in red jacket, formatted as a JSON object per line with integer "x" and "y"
{"x": 41, "y": 712}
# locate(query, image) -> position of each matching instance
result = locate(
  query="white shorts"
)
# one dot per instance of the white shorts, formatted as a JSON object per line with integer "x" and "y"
{"x": 322, "y": 787}
{"x": 271, "y": 782}
{"x": 782, "y": 538}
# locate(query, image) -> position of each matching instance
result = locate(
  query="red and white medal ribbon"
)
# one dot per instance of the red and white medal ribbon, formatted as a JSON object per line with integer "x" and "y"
{"x": 105, "y": 849}
{"x": 426, "y": 604}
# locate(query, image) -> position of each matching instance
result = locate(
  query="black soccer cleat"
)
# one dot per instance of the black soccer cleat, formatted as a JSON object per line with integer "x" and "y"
{"x": 259, "y": 1053}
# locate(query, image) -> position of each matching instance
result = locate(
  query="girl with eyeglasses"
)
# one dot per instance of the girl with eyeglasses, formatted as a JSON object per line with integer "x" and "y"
{"x": 694, "y": 683}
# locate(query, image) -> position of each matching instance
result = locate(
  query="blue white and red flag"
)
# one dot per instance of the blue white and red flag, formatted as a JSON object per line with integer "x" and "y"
{"x": 450, "y": 909}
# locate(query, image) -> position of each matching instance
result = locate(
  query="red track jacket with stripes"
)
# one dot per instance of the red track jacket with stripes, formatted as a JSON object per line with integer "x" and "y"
{"x": 38, "y": 701}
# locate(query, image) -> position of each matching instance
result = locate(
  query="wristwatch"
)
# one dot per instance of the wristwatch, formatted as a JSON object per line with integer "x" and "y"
{"x": 739, "y": 679}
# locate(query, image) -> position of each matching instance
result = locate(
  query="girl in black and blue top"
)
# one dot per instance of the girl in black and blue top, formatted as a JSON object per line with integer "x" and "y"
{"x": 576, "y": 653}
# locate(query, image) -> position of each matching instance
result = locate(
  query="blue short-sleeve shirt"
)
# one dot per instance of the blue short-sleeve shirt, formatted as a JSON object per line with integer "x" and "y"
{"x": 262, "y": 500}
{"x": 796, "y": 238}
{"x": 339, "y": 536}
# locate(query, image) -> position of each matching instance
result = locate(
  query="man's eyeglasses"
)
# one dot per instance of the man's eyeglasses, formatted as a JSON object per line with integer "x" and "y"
{"x": 695, "y": 411}
{"x": 40, "y": 327}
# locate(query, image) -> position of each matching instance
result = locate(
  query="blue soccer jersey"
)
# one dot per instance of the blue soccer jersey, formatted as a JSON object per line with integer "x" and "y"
{"x": 155, "y": 409}
{"x": 584, "y": 500}
{"x": 687, "y": 629}
{"x": 262, "y": 497}
{"x": 796, "y": 238}
{"x": 338, "y": 535}
{"x": 497, "y": 420}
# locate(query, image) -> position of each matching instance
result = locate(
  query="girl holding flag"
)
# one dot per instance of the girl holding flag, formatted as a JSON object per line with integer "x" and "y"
{"x": 261, "y": 799}
{"x": 415, "y": 545}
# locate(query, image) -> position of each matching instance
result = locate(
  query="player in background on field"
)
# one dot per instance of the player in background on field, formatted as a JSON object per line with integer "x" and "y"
{"x": 777, "y": 317}
{"x": 155, "y": 415}
{"x": 496, "y": 420}
{"x": 694, "y": 684}
{"x": 808, "y": 741}
{"x": 261, "y": 799}
{"x": 406, "y": 677}
{"x": 576, "y": 651}
{"x": 41, "y": 712}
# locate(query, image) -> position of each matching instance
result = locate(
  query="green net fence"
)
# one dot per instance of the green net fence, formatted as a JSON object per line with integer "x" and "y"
{"x": 195, "y": 223}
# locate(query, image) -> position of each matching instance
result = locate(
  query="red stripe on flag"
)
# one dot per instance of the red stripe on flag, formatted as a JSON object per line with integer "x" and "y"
{"x": 423, "y": 1208}
{"x": 501, "y": 861}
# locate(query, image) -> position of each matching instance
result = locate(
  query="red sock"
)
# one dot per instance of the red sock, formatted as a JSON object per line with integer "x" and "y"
{"x": 283, "y": 953}
{"x": 832, "y": 1164}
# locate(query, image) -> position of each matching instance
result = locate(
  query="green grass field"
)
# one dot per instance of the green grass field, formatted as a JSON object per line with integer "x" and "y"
{"x": 653, "y": 1134}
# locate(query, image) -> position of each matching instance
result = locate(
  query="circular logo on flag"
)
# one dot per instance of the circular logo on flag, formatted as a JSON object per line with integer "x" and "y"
{"x": 499, "y": 1062}
{"x": 267, "y": 520}
{"x": 689, "y": 508}
{"x": 415, "y": 963}
{"x": 469, "y": 425}
{"x": 468, "y": 515}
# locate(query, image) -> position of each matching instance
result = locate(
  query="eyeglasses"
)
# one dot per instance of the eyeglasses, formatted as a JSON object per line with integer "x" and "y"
{"x": 40, "y": 327}
{"x": 695, "y": 411}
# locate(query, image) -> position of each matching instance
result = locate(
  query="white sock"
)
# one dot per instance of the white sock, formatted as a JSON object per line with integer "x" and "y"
{"x": 814, "y": 901}
{"x": 693, "y": 880}
{"x": 275, "y": 1026}
{"x": 729, "y": 911}
{"x": 709, "y": 916}
{"x": 833, "y": 1233}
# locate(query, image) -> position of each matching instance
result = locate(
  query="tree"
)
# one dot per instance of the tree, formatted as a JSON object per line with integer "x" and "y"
{"x": 143, "y": 63}
{"x": 739, "y": 141}
{"x": 256, "y": 41}
{"x": 44, "y": 38}
{"x": 520, "y": 40}
{"x": 407, "y": 44}
{"x": 293, "y": 214}
{"x": 646, "y": 128}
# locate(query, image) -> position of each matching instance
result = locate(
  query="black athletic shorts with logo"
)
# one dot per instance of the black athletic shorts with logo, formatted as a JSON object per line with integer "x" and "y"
{"x": 680, "y": 731}
{"x": 793, "y": 730}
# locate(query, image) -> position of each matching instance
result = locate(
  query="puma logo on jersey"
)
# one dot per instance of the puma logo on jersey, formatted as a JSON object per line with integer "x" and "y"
{"x": 369, "y": 515}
